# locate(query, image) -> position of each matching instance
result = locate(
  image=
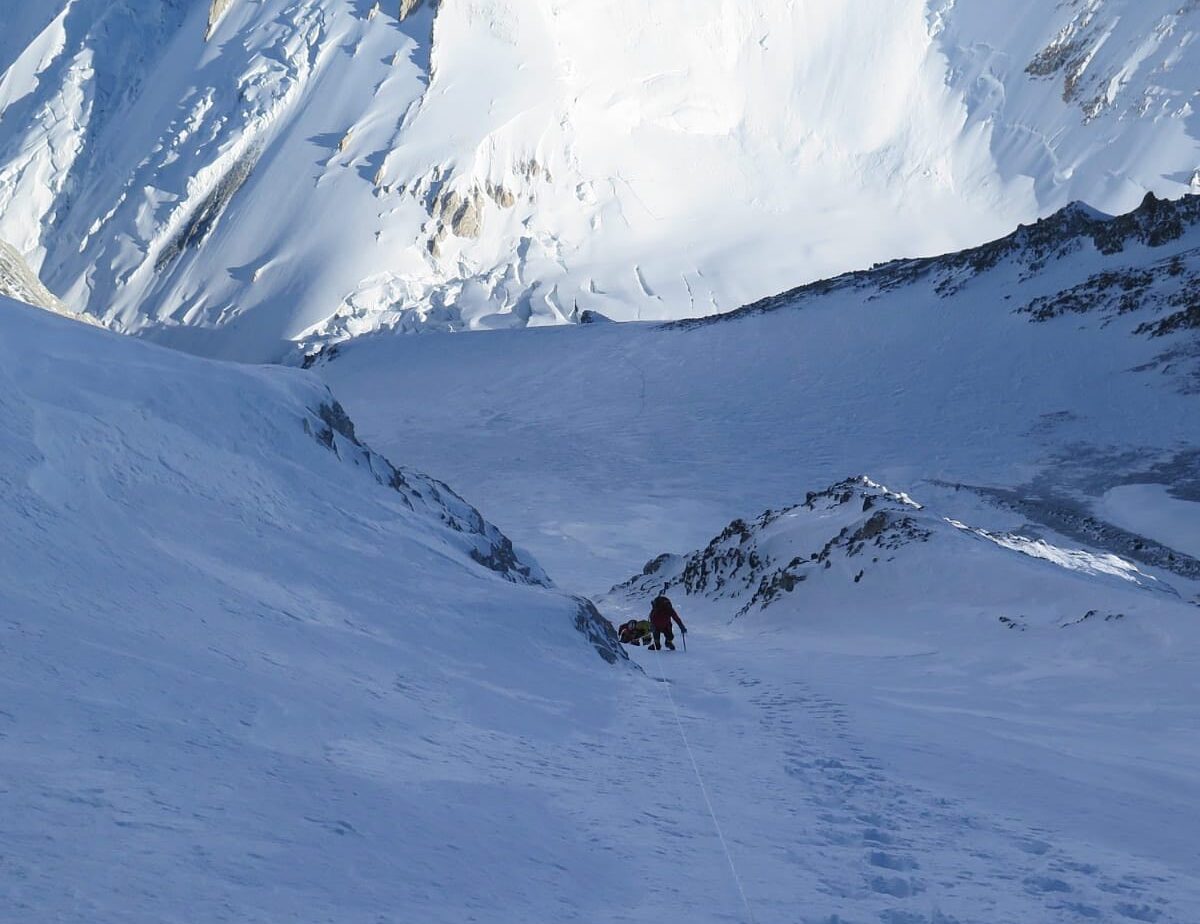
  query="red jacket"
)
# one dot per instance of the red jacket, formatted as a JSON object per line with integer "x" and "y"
{"x": 661, "y": 614}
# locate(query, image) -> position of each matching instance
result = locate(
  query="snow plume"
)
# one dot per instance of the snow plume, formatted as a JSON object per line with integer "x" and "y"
{"x": 497, "y": 164}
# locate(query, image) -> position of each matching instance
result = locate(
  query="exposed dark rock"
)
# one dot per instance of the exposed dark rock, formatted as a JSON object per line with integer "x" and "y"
{"x": 737, "y": 563}
{"x": 655, "y": 565}
{"x": 1108, "y": 293}
{"x": 322, "y": 355}
{"x": 338, "y": 420}
{"x": 599, "y": 631}
{"x": 1155, "y": 223}
{"x": 204, "y": 219}
{"x": 872, "y": 528}
{"x": 332, "y": 427}
{"x": 500, "y": 557}
{"x": 1094, "y": 615}
{"x": 1187, "y": 318}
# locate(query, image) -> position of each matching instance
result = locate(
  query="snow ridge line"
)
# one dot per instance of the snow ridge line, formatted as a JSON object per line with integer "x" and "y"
{"x": 737, "y": 880}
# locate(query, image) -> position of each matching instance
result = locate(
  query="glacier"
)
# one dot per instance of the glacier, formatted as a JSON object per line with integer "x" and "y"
{"x": 258, "y": 180}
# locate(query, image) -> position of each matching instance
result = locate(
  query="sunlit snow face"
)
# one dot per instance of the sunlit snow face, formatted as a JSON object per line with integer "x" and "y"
{"x": 639, "y": 162}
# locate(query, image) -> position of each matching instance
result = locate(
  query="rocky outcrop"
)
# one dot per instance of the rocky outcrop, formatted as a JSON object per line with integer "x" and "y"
{"x": 462, "y": 214}
{"x": 1069, "y": 53}
{"x": 858, "y": 533}
{"x": 758, "y": 562}
{"x": 1167, "y": 286}
{"x": 588, "y": 316}
{"x": 1171, "y": 287}
{"x": 18, "y": 281}
{"x": 599, "y": 631}
{"x": 458, "y": 208}
{"x": 204, "y": 218}
{"x": 331, "y": 426}
{"x": 408, "y": 7}
{"x": 215, "y": 11}
{"x": 1094, "y": 82}
{"x": 501, "y": 195}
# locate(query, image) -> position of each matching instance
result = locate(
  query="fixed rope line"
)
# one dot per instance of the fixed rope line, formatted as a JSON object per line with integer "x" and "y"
{"x": 737, "y": 880}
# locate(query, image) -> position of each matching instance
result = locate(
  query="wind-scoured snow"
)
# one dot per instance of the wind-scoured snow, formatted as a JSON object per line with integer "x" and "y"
{"x": 1151, "y": 509}
{"x": 260, "y": 179}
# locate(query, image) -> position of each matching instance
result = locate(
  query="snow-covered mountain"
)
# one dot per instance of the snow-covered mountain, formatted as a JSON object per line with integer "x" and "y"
{"x": 976, "y": 711}
{"x": 1077, "y": 261}
{"x": 1055, "y": 368}
{"x": 908, "y": 557}
{"x": 238, "y": 178}
{"x": 254, "y": 671}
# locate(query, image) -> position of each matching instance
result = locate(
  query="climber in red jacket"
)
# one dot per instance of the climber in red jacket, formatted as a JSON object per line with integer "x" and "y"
{"x": 661, "y": 614}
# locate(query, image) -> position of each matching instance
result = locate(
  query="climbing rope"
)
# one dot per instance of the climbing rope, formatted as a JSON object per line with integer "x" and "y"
{"x": 737, "y": 880}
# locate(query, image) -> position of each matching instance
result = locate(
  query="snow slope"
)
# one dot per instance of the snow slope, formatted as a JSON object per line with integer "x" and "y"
{"x": 249, "y": 179}
{"x": 1045, "y": 368}
{"x": 1029, "y": 676}
{"x": 902, "y": 761}
{"x": 951, "y": 736}
{"x": 252, "y": 672}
